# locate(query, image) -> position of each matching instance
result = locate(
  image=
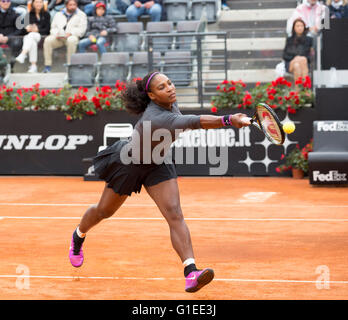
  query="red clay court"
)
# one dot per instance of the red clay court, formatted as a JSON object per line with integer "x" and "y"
{"x": 265, "y": 238}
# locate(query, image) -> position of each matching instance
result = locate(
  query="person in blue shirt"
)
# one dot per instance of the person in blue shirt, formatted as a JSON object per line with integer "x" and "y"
{"x": 140, "y": 7}
{"x": 338, "y": 8}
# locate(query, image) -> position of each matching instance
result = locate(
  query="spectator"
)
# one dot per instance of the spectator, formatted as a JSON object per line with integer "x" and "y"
{"x": 224, "y": 5}
{"x": 19, "y": 6}
{"x": 140, "y": 7}
{"x": 39, "y": 25}
{"x": 67, "y": 27}
{"x": 55, "y": 6}
{"x": 3, "y": 65}
{"x": 312, "y": 13}
{"x": 297, "y": 50}
{"x": 338, "y": 8}
{"x": 116, "y": 7}
{"x": 9, "y": 33}
{"x": 99, "y": 27}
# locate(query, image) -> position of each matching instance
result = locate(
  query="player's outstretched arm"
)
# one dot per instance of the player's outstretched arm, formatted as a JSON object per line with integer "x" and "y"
{"x": 213, "y": 122}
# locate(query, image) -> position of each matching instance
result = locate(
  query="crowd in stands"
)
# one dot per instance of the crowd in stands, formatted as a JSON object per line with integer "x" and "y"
{"x": 78, "y": 24}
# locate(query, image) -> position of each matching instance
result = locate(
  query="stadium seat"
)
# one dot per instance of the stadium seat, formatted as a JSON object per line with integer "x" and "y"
{"x": 82, "y": 69}
{"x": 210, "y": 7}
{"x": 160, "y": 43}
{"x": 128, "y": 37}
{"x": 184, "y": 42}
{"x": 328, "y": 162}
{"x": 176, "y": 9}
{"x": 178, "y": 67}
{"x": 140, "y": 64}
{"x": 113, "y": 67}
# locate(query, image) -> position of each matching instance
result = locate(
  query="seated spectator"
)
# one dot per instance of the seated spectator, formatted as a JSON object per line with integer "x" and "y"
{"x": 297, "y": 50}
{"x": 224, "y": 5}
{"x": 39, "y": 25}
{"x": 9, "y": 33}
{"x": 311, "y": 12}
{"x": 140, "y": 7}
{"x": 20, "y": 7}
{"x": 99, "y": 27}
{"x": 3, "y": 65}
{"x": 67, "y": 27}
{"x": 55, "y": 6}
{"x": 116, "y": 7}
{"x": 338, "y": 8}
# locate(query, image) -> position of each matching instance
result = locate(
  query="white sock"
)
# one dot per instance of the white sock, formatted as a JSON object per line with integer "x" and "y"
{"x": 188, "y": 262}
{"x": 79, "y": 233}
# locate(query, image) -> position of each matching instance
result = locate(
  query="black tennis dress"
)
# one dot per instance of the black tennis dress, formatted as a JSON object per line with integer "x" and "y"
{"x": 127, "y": 165}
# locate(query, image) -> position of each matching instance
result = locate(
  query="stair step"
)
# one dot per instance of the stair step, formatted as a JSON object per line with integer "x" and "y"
{"x": 248, "y": 4}
{"x": 255, "y": 33}
{"x": 242, "y": 64}
{"x": 248, "y": 44}
{"x": 46, "y": 80}
{"x": 248, "y": 76}
{"x": 256, "y": 15}
{"x": 228, "y": 25}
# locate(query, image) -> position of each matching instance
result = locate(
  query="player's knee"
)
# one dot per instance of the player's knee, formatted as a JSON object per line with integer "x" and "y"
{"x": 174, "y": 213}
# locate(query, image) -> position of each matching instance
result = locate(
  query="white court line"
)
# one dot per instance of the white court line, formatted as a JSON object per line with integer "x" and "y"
{"x": 167, "y": 279}
{"x": 227, "y": 205}
{"x": 188, "y": 219}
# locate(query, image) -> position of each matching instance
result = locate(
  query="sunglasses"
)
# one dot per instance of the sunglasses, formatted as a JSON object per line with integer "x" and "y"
{"x": 6, "y": 1}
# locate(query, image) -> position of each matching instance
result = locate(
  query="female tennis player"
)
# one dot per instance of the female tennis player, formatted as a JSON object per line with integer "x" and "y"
{"x": 155, "y": 98}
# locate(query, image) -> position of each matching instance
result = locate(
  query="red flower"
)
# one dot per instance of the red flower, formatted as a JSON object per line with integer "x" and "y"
{"x": 218, "y": 87}
{"x": 33, "y": 97}
{"x": 107, "y": 102}
{"x": 282, "y": 157}
{"x": 90, "y": 112}
{"x": 68, "y": 117}
{"x": 298, "y": 81}
{"x": 257, "y": 83}
{"x": 278, "y": 170}
{"x": 224, "y": 82}
{"x": 291, "y": 110}
{"x": 213, "y": 109}
{"x": 271, "y": 97}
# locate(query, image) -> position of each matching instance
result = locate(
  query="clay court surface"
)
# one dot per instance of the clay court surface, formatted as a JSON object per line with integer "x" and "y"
{"x": 265, "y": 238}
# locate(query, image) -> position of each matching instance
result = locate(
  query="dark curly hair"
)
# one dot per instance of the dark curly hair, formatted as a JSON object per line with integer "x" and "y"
{"x": 135, "y": 96}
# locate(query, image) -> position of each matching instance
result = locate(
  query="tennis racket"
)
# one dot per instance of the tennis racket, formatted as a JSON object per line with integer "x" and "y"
{"x": 267, "y": 121}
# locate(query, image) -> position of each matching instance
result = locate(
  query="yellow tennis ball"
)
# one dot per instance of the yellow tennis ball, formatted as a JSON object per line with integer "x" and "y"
{"x": 289, "y": 127}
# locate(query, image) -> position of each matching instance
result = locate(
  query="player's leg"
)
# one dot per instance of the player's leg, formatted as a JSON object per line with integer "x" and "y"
{"x": 108, "y": 204}
{"x": 166, "y": 196}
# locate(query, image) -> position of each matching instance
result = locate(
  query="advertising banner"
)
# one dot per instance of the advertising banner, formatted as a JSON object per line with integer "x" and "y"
{"x": 45, "y": 143}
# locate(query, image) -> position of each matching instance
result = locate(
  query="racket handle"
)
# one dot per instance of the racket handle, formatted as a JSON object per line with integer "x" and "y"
{"x": 247, "y": 120}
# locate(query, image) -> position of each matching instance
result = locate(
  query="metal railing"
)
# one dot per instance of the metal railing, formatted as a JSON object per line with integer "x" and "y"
{"x": 195, "y": 61}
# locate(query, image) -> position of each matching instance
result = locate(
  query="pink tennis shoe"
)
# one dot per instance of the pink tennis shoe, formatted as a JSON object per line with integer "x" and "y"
{"x": 76, "y": 254}
{"x": 198, "y": 279}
